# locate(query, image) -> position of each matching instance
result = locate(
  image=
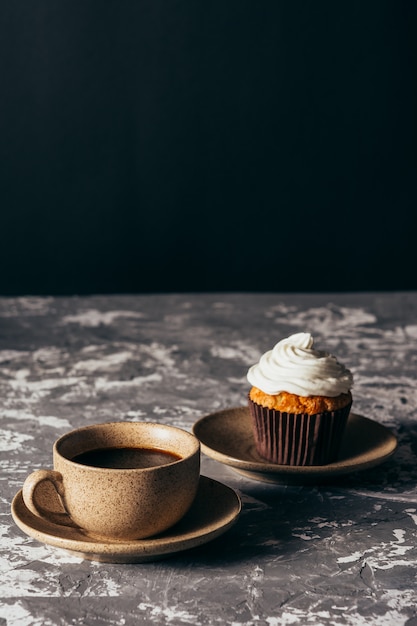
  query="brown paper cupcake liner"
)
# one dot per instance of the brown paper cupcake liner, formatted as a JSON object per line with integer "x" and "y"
{"x": 298, "y": 439}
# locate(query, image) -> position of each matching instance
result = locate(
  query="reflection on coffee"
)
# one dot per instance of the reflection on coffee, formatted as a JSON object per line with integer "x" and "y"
{"x": 125, "y": 458}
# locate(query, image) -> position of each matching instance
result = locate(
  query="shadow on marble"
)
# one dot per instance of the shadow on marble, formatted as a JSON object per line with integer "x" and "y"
{"x": 398, "y": 475}
{"x": 272, "y": 524}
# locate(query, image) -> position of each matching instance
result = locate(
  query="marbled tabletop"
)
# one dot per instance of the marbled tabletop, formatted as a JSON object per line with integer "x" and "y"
{"x": 343, "y": 553}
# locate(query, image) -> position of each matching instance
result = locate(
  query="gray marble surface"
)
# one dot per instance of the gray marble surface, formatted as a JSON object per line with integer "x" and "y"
{"x": 335, "y": 554}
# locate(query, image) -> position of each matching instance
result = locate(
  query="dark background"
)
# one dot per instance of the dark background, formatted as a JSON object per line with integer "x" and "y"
{"x": 153, "y": 145}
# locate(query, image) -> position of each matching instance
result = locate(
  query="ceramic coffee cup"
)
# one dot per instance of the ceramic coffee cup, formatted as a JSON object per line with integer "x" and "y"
{"x": 120, "y": 481}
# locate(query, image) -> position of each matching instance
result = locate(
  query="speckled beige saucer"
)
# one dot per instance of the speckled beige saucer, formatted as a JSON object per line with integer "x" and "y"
{"x": 214, "y": 510}
{"x": 227, "y": 437}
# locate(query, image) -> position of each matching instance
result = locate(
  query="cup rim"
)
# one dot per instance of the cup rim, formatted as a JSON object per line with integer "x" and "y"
{"x": 91, "y": 427}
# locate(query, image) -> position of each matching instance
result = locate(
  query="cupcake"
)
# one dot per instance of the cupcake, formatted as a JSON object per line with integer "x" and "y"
{"x": 299, "y": 402}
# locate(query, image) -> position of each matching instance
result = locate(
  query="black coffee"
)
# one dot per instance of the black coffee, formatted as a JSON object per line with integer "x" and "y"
{"x": 125, "y": 458}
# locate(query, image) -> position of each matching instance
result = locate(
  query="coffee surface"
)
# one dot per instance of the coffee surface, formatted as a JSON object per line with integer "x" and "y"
{"x": 125, "y": 458}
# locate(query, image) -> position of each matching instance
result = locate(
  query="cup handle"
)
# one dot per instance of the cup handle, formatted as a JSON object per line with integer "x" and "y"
{"x": 32, "y": 497}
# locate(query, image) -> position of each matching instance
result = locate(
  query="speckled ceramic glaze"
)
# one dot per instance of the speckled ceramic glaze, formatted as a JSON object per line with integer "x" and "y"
{"x": 214, "y": 510}
{"x": 121, "y": 504}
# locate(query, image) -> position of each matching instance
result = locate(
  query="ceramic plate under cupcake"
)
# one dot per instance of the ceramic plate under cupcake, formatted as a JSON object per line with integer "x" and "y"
{"x": 226, "y": 436}
{"x": 214, "y": 510}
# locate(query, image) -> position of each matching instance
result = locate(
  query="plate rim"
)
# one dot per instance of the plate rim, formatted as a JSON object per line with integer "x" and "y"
{"x": 265, "y": 467}
{"x": 133, "y": 551}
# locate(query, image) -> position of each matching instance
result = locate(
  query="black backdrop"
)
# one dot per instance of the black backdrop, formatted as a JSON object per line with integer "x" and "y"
{"x": 183, "y": 145}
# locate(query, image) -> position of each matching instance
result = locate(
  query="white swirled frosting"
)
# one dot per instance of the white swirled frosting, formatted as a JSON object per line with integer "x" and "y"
{"x": 293, "y": 366}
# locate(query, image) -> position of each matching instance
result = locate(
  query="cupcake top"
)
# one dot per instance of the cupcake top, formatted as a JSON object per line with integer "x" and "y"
{"x": 293, "y": 366}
